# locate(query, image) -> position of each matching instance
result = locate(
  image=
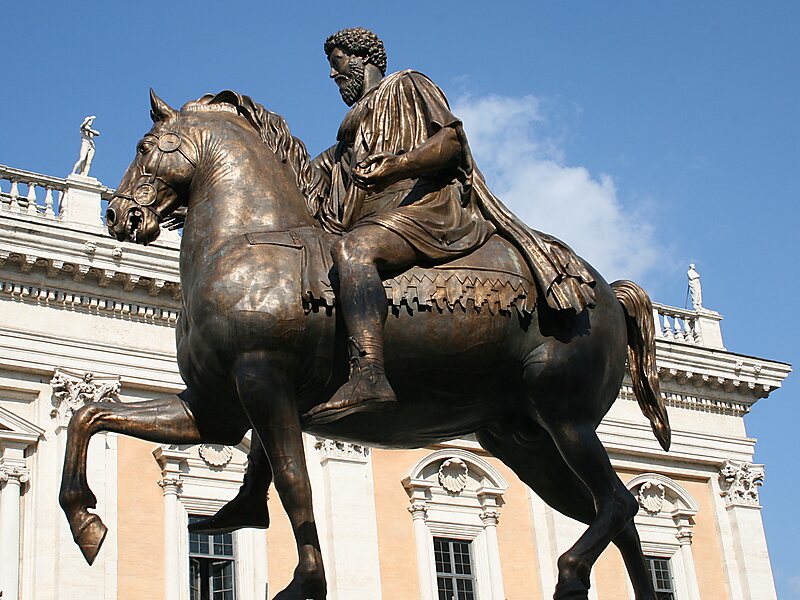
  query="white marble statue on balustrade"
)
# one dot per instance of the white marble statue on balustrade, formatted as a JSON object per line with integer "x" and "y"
{"x": 694, "y": 287}
{"x": 87, "y": 147}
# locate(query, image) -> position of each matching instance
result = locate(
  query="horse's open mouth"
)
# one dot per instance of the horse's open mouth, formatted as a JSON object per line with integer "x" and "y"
{"x": 135, "y": 219}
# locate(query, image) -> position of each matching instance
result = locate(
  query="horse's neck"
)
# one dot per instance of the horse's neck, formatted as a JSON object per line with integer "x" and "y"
{"x": 251, "y": 190}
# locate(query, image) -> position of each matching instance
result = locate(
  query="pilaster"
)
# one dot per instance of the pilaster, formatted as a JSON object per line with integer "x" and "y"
{"x": 13, "y": 475}
{"x": 351, "y": 527}
{"x": 739, "y": 483}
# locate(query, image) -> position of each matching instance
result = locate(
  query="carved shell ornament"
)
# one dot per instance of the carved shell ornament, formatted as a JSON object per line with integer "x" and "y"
{"x": 651, "y": 496}
{"x": 453, "y": 475}
{"x": 215, "y": 455}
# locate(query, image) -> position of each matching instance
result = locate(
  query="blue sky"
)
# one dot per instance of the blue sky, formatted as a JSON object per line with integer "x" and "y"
{"x": 647, "y": 135}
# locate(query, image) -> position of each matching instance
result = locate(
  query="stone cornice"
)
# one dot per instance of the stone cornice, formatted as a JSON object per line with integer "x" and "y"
{"x": 87, "y": 254}
{"x": 136, "y": 308}
{"x": 739, "y": 377}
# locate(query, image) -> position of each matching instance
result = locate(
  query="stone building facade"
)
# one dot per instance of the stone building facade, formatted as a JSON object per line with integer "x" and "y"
{"x": 84, "y": 319}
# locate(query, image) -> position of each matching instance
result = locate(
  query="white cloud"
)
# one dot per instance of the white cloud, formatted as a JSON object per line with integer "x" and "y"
{"x": 527, "y": 170}
{"x": 794, "y": 585}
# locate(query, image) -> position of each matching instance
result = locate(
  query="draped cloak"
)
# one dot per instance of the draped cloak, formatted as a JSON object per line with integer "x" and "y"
{"x": 442, "y": 215}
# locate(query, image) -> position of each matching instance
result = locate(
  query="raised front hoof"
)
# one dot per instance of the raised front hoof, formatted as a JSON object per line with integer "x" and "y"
{"x": 571, "y": 590}
{"x": 89, "y": 536}
{"x": 231, "y": 517}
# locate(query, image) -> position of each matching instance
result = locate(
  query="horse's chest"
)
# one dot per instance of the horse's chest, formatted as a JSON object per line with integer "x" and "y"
{"x": 256, "y": 280}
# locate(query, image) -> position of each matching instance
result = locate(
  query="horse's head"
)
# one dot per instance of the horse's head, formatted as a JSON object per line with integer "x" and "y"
{"x": 157, "y": 181}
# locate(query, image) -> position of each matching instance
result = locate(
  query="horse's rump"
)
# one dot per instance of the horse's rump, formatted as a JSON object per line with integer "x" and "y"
{"x": 495, "y": 277}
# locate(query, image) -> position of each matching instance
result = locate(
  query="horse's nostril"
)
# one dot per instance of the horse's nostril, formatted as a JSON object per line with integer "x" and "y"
{"x": 111, "y": 217}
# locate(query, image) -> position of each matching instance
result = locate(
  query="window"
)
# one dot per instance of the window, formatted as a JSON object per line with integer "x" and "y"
{"x": 454, "y": 578}
{"x": 662, "y": 577}
{"x": 211, "y": 566}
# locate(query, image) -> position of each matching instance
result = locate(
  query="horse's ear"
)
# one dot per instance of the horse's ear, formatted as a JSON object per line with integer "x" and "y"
{"x": 160, "y": 110}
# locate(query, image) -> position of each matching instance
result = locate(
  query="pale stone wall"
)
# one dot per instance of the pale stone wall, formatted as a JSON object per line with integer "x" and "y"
{"x": 141, "y": 551}
{"x": 706, "y": 542}
{"x": 517, "y": 540}
{"x": 398, "y": 557}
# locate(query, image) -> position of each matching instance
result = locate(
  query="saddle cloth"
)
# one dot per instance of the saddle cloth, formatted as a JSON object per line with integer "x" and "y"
{"x": 495, "y": 277}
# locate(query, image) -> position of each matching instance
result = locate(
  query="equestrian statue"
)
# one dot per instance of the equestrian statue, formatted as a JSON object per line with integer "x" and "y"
{"x": 377, "y": 294}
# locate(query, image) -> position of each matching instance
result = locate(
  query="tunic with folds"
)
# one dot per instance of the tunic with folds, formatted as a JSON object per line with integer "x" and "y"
{"x": 443, "y": 215}
{"x": 436, "y": 214}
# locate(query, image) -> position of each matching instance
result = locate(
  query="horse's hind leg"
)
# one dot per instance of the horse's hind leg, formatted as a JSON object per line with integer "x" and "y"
{"x": 165, "y": 420}
{"x": 615, "y": 506}
{"x": 539, "y": 464}
{"x": 265, "y": 390}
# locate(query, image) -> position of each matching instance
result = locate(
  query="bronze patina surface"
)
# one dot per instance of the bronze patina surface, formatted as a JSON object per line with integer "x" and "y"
{"x": 518, "y": 341}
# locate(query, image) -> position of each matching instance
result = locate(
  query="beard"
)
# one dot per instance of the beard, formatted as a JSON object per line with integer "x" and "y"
{"x": 350, "y": 86}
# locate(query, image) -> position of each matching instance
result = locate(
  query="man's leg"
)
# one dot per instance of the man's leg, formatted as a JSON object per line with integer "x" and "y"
{"x": 360, "y": 256}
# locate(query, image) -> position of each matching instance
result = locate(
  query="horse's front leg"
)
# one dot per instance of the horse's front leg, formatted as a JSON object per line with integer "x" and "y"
{"x": 165, "y": 420}
{"x": 266, "y": 392}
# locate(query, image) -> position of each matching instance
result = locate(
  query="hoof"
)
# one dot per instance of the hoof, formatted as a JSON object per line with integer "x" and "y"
{"x": 90, "y": 536}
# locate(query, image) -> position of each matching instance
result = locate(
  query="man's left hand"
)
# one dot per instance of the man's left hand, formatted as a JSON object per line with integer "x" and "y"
{"x": 378, "y": 171}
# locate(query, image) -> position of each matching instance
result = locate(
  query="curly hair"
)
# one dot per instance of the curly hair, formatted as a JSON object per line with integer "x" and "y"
{"x": 361, "y": 42}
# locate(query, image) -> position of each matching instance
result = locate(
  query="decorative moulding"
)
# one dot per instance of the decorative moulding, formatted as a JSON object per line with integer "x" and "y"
{"x": 335, "y": 449}
{"x": 651, "y": 496}
{"x": 728, "y": 384}
{"x": 91, "y": 303}
{"x": 492, "y": 480}
{"x": 73, "y": 390}
{"x": 654, "y": 491}
{"x": 215, "y": 456}
{"x": 80, "y": 271}
{"x": 453, "y": 475}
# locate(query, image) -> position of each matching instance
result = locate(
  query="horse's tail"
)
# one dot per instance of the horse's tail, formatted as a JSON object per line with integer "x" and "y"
{"x": 642, "y": 357}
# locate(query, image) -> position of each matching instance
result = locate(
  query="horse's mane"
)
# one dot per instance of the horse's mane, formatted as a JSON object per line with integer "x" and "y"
{"x": 274, "y": 131}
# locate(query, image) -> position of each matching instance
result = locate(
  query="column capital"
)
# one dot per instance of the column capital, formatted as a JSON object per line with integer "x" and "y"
{"x": 684, "y": 537}
{"x": 490, "y": 517}
{"x": 739, "y": 483}
{"x": 337, "y": 450}
{"x": 73, "y": 390}
{"x": 419, "y": 510}
{"x": 19, "y": 474}
{"x": 171, "y": 484}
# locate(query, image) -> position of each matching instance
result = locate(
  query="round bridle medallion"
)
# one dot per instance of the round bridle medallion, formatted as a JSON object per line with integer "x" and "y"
{"x": 169, "y": 142}
{"x": 144, "y": 194}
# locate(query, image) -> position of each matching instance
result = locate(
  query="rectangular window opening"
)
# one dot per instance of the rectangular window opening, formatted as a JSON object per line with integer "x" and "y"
{"x": 211, "y": 566}
{"x": 661, "y": 574}
{"x": 455, "y": 579}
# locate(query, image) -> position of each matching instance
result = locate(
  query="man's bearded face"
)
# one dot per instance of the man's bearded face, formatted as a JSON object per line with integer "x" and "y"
{"x": 351, "y": 82}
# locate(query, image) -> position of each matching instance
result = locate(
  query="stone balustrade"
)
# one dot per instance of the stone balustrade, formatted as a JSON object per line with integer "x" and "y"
{"x": 676, "y": 324}
{"x": 698, "y": 327}
{"x": 31, "y": 193}
{"x": 41, "y": 195}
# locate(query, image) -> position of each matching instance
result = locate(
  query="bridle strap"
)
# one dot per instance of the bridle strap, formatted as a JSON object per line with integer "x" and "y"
{"x": 166, "y": 143}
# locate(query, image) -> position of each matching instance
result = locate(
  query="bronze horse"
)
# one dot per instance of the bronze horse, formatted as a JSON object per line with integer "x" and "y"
{"x": 532, "y": 387}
